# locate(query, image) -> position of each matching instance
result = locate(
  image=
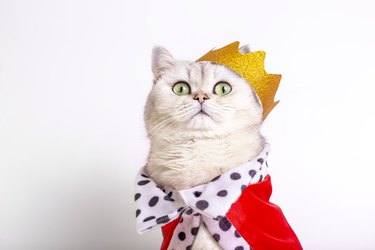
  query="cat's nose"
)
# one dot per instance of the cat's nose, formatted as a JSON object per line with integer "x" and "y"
{"x": 200, "y": 97}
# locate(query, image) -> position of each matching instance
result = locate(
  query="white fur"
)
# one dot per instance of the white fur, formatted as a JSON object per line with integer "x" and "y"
{"x": 188, "y": 149}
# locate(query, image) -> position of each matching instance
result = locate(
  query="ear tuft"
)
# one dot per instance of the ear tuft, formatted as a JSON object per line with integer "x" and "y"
{"x": 244, "y": 49}
{"x": 162, "y": 61}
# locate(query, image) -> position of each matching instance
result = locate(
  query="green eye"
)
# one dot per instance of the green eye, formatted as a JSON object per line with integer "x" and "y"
{"x": 222, "y": 88}
{"x": 181, "y": 88}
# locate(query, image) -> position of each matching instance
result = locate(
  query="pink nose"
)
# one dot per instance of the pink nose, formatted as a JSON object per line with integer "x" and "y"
{"x": 200, "y": 97}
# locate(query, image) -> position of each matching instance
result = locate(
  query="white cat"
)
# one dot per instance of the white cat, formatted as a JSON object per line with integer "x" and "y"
{"x": 202, "y": 119}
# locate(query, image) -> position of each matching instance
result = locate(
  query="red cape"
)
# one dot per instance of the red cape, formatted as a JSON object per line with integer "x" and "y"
{"x": 261, "y": 223}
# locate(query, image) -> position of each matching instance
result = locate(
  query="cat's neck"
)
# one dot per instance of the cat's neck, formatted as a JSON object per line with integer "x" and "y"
{"x": 182, "y": 162}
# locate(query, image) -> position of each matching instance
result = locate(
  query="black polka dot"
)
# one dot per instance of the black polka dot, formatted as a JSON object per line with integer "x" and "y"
{"x": 153, "y": 201}
{"x": 163, "y": 219}
{"x": 145, "y": 176}
{"x": 197, "y": 194}
{"x": 219, "y": 217}
{"x": 216, "y": 178}
{"x": 181, "y": 236}
{"x": 170, "y": 194}
{"x": 224, "y": 224}
{"x": 235, "y": 176}
{"x": 237, "y": 234}
{"x": 189, "y": 212}
{"x": 222, "y": 193}
{"x": 202, "y": 204}
{"x": 188, "y": 248}
{"x": 182, "y": 220}
{"x": 194, "y": 230}
{"x": 196, "y": 214}
{"x": 137, "y": 212}
{"x": 260, "y": 160}
{"x": 167, "y": 198}
{"x": 216, "y": 237}
{"x": 144, "y": 182}
{"x": 252, "y": 173}
{"x": 137, "y": 196}
{"x": 149, "y": 218}
{"x": 243, "y": 187}
{"x": 239, "y": 248}
{"x": 261, "y": 178}
{"x": 180, "y": 209}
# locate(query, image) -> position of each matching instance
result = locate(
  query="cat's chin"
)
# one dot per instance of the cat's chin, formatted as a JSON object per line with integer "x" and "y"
{"x": 201, "y": 121}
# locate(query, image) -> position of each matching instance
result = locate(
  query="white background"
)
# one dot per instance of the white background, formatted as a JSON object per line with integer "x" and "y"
{"x": 74, "y": 76}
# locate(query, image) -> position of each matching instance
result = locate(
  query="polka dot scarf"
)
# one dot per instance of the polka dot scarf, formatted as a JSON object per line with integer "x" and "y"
{"x": 207, "y": 203}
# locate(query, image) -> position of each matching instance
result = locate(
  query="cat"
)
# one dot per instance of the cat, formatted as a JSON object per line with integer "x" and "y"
{"x": 202, "y": 120}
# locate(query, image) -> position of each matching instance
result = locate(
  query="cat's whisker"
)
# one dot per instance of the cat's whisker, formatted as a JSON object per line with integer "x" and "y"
{"x": 161, "y": 125}
{"x": 184, "y": 105}
{"x": 229, "y": 106}
{"x": 214, "y": 111}
{"x": 160, "y": 115}
{"x": 162, "y": 120}
{"x": 223, "y": 106}
{"x": 165, "y": 118}
{"x": 163, "y": 132}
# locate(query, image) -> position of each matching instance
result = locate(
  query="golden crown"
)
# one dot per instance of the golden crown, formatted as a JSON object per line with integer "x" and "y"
{"x": 251, "y": 67}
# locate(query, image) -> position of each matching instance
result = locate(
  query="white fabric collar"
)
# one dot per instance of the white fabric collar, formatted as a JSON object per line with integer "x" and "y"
{"x": 208, "y": 202}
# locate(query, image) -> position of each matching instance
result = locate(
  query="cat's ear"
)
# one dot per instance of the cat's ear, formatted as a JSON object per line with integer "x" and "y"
{"x": 244, "y": 49}
{"x": 162, "y": 60}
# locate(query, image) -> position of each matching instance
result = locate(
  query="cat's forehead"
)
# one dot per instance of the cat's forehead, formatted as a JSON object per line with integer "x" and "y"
{"x": 201, "y": 73}
{"x": 204, "y": 69}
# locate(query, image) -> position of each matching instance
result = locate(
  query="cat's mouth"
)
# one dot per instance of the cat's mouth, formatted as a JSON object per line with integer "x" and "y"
{"x": 201, "y": 112}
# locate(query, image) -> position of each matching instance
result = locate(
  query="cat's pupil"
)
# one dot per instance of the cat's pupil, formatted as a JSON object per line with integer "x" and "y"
{"x": 181, "y": 89}
{"x": 223, "y": 89}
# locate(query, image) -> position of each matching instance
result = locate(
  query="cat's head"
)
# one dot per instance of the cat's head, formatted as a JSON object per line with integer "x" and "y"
{"x": 198, "y": 98}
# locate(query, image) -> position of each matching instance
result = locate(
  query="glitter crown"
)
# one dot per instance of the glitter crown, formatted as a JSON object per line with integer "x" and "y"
{"x": 249, "y": 66}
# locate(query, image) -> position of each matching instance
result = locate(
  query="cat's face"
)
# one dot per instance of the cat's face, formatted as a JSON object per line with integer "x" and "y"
{"x": 198, "y": 97}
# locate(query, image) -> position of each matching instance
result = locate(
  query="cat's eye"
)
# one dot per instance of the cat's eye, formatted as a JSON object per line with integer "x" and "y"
{"x": 222, "y": 88}
{"x": 181, "y": 88}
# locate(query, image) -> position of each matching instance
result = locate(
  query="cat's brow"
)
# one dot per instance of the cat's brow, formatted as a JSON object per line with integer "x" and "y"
{"x": 188, "y": 71}
{"x": 217, "y": 70}
{"x": 202, "y": 71}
